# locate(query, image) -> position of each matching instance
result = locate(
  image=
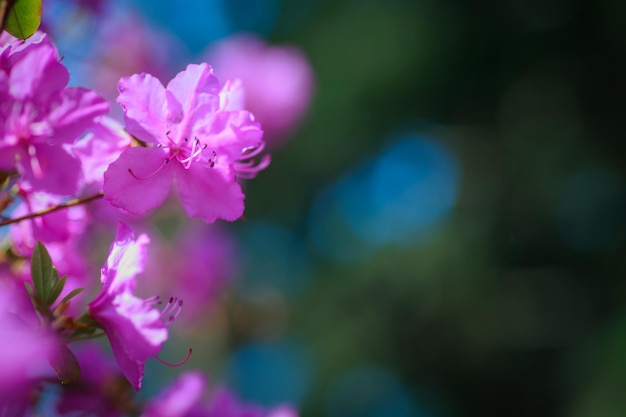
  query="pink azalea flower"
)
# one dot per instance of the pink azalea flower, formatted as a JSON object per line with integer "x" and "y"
{"x": 194, "y": 138}
{"x": 38, "y": 114}
{"x": 278, "y": 81}
{"x": 135, "y": 328}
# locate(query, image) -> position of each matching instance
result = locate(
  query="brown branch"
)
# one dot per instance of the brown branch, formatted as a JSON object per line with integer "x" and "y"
{"x": 71, "y": 203}
{"x": 5, "y": 6}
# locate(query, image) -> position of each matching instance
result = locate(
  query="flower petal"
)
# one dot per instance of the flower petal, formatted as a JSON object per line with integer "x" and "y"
{"x": 76, "y": 113}
{"x": 230, "y": 132}
{"x": 127, "y": 257}
{"x": 179, "y": 398}
{"x": 232, "y": 96}
{"x": 38, "y": 75}
{"x": 99, "y": 148}
{"x": 132, "y": 368}
{"x": 196, "y": 89}
{"x": 210, "y": 193}
{"x": 51, "y": 169}
{"x": 146, "y": 187}
{"x": 142, "y": 97}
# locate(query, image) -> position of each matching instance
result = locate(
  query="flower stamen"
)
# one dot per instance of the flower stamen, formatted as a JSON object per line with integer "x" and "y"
{"x": 184, "y": 361}
{"x": 195, "y": 154}
{"x": 172, "y": 309}
{"x": 130, "y": 171}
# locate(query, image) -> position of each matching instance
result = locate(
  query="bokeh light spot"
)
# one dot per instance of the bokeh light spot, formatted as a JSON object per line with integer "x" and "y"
{"x": 399, "y": 198}
{"x": 413, "y": 186}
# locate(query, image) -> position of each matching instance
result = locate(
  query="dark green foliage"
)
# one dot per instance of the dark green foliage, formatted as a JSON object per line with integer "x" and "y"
{"x": 46, "y": 279}
{"x": 22, "y": 18}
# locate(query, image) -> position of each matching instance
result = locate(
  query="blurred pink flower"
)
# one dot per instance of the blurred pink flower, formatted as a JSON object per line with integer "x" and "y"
{"x": 183, "y": 398}
{"x": 126, "y": 44}
{"x": 38, "y": 115}
{"x": 135, "y": 328}
{"x": 224, "y": 403}
{"x": 100, "y": 391}
{"x": 56, "y": 227}
{"x": 23, "y": 351}
{"x": 194, "y": 139}
{"x": 94, "y": 6}
{"x": 198, "y": 265}
{"x": 59, "y": 231}
{"x": 278, "y": 81}
{"x": 180, "y": 399}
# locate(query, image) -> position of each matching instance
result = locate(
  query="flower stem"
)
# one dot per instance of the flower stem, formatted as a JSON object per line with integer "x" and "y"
{"x": 71, "y": 203}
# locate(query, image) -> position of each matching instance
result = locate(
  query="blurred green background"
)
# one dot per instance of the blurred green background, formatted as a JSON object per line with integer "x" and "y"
{"x": 515, "y": 306}
{"x": 442, "y": 236}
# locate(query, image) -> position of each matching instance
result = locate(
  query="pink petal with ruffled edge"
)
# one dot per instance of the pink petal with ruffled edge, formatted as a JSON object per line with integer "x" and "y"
{"x": 197, "y": 91}
{"x": 144, "y": 101}
{"x": 38, "y": 75}
{"x": 137, "y": 196}
{"x": 231, "y": 132}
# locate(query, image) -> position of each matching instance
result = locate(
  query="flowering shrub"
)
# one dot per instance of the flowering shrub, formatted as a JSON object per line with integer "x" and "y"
{"x": 59, "y": 153}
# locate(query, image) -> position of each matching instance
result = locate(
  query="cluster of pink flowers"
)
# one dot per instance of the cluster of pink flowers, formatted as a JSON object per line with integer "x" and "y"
{"x": 59, "y": 151}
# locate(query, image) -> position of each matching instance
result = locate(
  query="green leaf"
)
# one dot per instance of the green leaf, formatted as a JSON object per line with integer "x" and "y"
{"x": 64, "y": 364}
{"x": 23, "y": 18}
{"x": 55, "y": 291}
{"x": 45, "y": 276}
{"x": 72, "y": 294}
{"x": 29, "y": 289}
